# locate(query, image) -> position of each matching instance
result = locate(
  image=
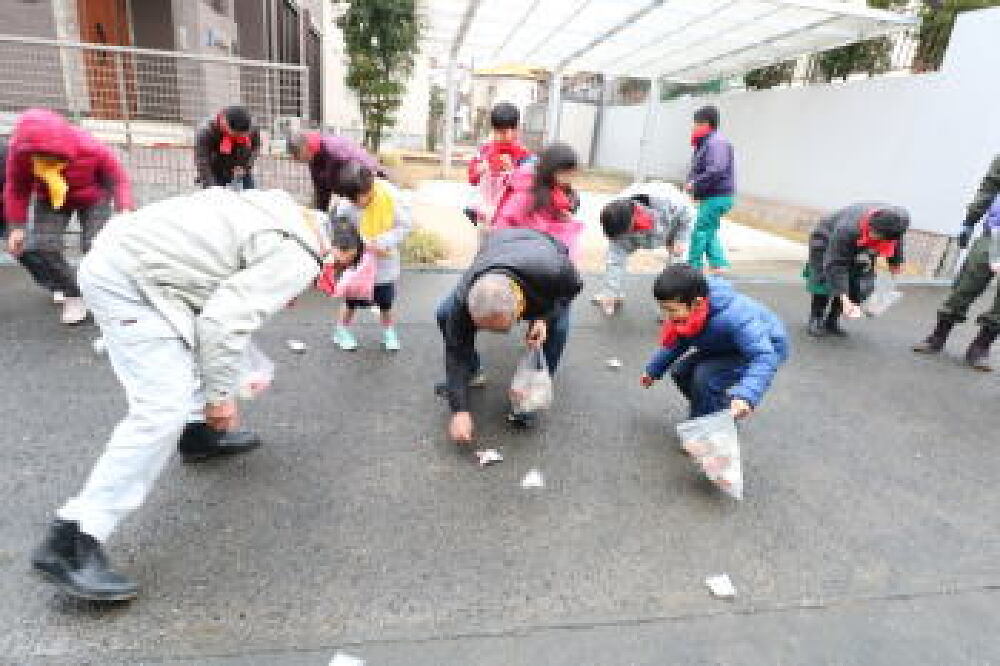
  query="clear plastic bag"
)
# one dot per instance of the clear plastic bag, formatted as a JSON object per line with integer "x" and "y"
{"x": 714, "y": 444}
{"x": 486, "y": 195}
{"x": 883, "y": 297}
{"x": 256, "y": 372}
{"x": 531, "y": 387}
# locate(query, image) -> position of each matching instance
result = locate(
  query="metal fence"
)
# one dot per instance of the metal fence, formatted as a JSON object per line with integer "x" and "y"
{"x": 149, "y": 95}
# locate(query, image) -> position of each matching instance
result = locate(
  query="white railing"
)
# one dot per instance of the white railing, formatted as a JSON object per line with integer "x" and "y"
{"x": 146, "y": 93}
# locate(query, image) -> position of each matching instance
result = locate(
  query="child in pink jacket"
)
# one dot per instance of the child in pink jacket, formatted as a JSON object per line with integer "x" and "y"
{"x": 540, "y": 196}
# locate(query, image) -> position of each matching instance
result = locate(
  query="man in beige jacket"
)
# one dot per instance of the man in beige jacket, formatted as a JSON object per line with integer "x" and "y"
{"x": 177, "y": 288}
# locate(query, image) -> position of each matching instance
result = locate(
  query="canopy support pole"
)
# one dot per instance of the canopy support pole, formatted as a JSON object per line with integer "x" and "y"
{"x": 451, "y": 91}
{"x": 555, "y": 108}
{"x": 642, "y": 164}
{"x": 450, "y": 98}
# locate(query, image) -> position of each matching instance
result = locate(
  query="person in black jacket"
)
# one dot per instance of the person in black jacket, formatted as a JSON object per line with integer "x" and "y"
{"x": 31, "y": 260}
{"x": 843, "y": 251}
{"x": 225, "y": 148}
{"x": 518, "y": 275}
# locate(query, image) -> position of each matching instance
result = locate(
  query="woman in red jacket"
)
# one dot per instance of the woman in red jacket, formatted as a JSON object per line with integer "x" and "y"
{"x": 64, "y": 170}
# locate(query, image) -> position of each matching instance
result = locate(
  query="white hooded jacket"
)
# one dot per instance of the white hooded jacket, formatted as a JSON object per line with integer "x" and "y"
{"x": 217, "y": 264}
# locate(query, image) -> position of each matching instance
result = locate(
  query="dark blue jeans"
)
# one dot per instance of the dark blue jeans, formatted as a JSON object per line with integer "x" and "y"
{"x": 705, "y": 381}
{"x": 554, "y": 345}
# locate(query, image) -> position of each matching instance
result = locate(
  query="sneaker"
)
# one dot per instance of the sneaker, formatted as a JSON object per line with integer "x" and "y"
{"x": 58, "y": 297}
{"x": 343, "y": 338}
{"x": 74, "y": 311}
{"x": 390, "y": 340}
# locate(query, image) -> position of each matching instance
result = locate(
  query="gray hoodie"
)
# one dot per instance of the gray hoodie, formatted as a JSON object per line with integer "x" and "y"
{"x": 672, "y": 215}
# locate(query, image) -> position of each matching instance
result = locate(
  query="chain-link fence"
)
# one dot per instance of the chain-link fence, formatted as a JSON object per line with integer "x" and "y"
{"x": 146, "y": 95}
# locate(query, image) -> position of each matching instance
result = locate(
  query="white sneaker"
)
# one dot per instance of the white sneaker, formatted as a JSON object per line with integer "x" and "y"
{"x": 58, "y": 297}
{"x": 74, "y": 311}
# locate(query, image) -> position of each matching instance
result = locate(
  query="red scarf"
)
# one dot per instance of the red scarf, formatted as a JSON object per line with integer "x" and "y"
{"x": 229, "y": 141}
{"x": 692, "y": 326}
{"x": 642, "y": 219}
{"x": 883, "y": 248}
{"x": 496, "y": 150}
{"x": 560, "y": 200}
{"x": 700, "y": 133}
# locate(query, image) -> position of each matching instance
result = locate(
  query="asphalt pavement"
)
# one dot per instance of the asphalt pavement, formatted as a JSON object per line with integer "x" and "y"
{"x": 868, "y": 534}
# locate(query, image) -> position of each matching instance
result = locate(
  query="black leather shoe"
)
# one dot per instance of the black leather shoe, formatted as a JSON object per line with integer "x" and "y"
{"x": 526, "y": 420}
{"x": 76, "y": 563}
{"x": 200, "y": 442}
{"x": 816, "y": 328}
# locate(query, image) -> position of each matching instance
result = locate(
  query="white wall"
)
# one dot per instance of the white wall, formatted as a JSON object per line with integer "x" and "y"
{"x": 340, "y": 104}
{"x": 576, "y": 127}
{"x": 410, "y": 130}
{"x": 923, "y": 141}
{"x": 519, "y": 92}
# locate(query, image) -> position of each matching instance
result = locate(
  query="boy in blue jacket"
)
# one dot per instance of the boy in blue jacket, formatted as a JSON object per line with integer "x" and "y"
{"x": 738, "y": 344}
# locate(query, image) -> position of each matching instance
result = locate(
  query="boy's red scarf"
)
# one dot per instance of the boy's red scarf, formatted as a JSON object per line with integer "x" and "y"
{"x": 229, "y": 141}
{"x": 493, "y": 151}
{"x": 700, "y": 133}
{"x": 692, "y": 326}
{"x": 642, "y": 219}
{"x": 884, "y": 248}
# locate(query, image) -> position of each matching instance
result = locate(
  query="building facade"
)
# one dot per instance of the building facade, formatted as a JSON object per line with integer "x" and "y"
{"x": 210, "y": 38}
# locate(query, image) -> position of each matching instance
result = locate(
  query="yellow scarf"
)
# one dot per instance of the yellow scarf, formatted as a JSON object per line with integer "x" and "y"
{"x": 49, "y": 170}
{"x": 521, "y": 304}
{"x": 379, "y": 215}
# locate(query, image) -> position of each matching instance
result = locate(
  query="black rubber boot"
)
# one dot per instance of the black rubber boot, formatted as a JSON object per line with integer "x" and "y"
{"x": 817, "y": 311}
{"x": 978, "y": 354}
{"x": 934, "y": 343}
{"x": 816, "y": 327}
{"x": 76, "y": 563}
{"x": 832, "y": 327}
{"x": 200, "y": 442}
{"x": 832, "y": 323}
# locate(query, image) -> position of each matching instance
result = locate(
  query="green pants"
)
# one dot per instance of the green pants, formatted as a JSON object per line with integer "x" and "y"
{"x": 972, "y": 281}
{"x": 705, "y": 237}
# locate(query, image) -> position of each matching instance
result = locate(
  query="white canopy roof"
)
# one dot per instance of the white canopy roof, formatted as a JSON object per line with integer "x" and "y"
{"x": 683, "y": 40}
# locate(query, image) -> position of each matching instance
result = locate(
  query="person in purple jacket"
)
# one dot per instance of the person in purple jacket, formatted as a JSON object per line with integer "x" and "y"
{"x": 712, "y": 184}
{"x": 326, "y": 155}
